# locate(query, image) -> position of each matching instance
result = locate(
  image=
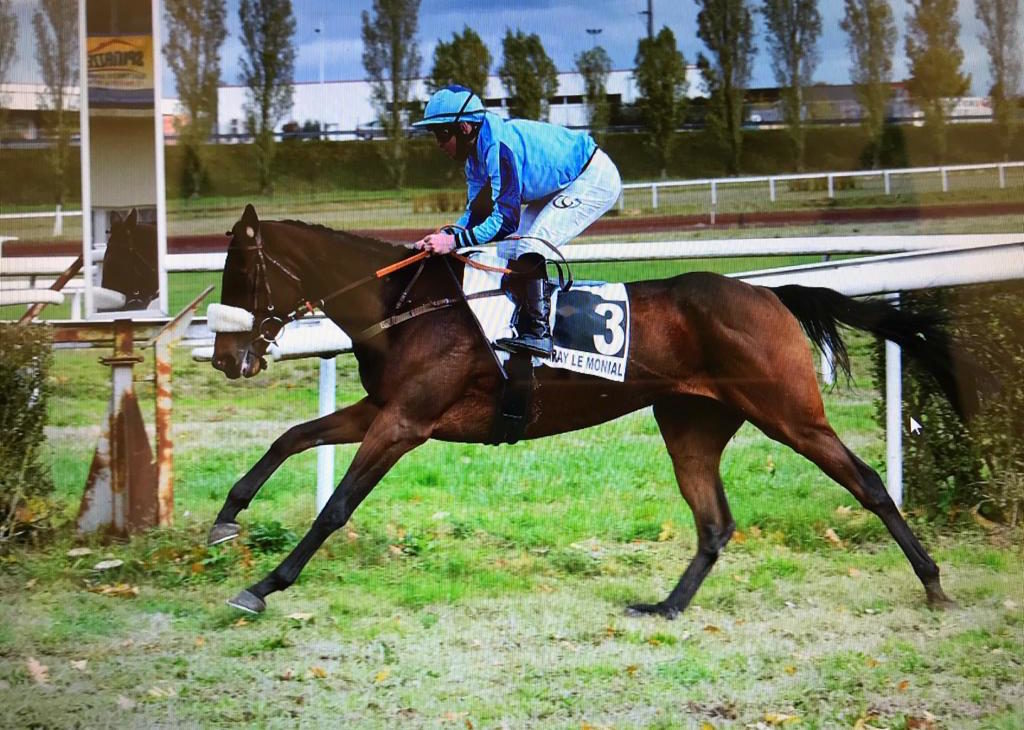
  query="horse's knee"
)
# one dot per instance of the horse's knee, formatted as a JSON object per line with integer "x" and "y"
{"x": 713, "y": 538}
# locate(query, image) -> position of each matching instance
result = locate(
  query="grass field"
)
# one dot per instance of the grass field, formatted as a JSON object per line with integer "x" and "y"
{"x": 482, "y": 587}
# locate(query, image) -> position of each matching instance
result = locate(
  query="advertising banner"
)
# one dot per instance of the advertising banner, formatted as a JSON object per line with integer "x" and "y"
{"x": 120, "y": 71}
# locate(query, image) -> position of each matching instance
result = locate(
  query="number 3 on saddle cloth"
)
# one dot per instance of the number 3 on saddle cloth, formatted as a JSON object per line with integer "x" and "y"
{"x": 590, "y": 322}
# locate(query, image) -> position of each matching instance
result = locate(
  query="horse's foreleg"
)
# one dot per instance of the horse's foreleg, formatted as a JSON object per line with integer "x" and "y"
{"x": 696, "y": 431}
{"x": 388, "y": 438}
{"x": 341, "y": 427}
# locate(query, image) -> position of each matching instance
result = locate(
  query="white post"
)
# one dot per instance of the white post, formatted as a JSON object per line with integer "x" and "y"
{"x": 831, "y": 187}
{"x": 1002, "y": 177}
{"x": 58, "y": 221}
{"x": 654, "y": 196}
{"x": 894, "y": 418}
{"x": 161, "y": 195}
{"x": 771, "y": 189}
{"x": 622, "y": 201}
{"x": 714, "y": 200}
{"x": 945, "y": 181}
{"x": 83, "y": 135}
{"x": 888, "y": 188}
{"x": 325, "y": 454}
{"x": 828, "y": 365}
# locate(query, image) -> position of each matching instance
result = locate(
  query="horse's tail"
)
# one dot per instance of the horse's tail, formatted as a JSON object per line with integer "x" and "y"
{"x": 922, "y": 335}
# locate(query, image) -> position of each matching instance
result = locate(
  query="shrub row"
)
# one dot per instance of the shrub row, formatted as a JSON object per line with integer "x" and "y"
{"x": 25, "y": 482}
{"x": 319, "y": 166}
{"x": 950, "y": 467}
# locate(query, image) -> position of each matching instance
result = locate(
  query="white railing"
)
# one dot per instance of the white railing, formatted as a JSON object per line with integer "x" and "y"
{"x": 942, "y": 171}
{"x": 58, "y": 216}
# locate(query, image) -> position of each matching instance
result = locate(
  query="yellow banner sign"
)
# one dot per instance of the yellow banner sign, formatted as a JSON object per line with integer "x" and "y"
{"x": 120, "y": 70}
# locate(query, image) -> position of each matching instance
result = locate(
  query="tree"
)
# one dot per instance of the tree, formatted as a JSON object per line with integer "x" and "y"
{"x": 1000, "y": 20}
{"x": 392, "y": 60}
{"x": 56, "y": 31}
{"x": 935, "y": 56}
{"x": 195, "y": 32}
{"x": 528, "y": 74}
{"x": 727, "y": 29}
{"x": 268, "y": 63}
{"x": 8, "y": 38}
{"x": 464, "y": 60}
{"x": 872, "y": 36}
{"x": 794, "y": 27}
{"x": 594, "y": 66}
{"x": 660, "y": 73}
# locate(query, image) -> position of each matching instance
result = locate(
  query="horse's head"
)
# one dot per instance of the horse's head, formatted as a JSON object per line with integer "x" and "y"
{"x": 257, "y": 293}
{"x": 129, "y": 264}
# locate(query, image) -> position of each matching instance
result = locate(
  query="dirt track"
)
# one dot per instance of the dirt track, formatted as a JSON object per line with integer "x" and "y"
{"x": 212, "y": 243}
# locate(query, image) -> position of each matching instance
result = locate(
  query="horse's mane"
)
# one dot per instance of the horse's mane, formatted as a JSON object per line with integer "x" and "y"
{"x": 355, "y": 237}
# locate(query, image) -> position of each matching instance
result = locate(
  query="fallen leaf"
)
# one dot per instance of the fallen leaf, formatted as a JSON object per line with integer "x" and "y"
{"x": 200, "y": 641}
{"x": 287, "y": 675}
{"x": 779, "y": 718}
{"x": 769, "y": 465}
{"x": 163, "y": 692}
{"x": 871, "y": 662}
{"x": 740, "y": 578}
{"x": 668, "y": 531}
{"x": 300, "y": 616}
{"x": 124, "y": 703}
{"x": 927, "y": 722}
{"x": 318, "y": 672}
{"x": 754, "y": 531}
{"x": 862, "y": 724}
{"x": 632, "y": 669}
{"x": 853, "y": 573}
{"x": 789, "y": 669}
{"x": 739, "y": 537}
{"x": 108, "y": 564}
{"x": 903, "y": 686}
{"x": 844, "y": 510}
{"x": 79, "y": 664}
{"x": 117, "y": 590}
{"x": 79, "y": 552}
{"x": 706, "y": 726}
{"x": 382, "y": 675}
{"x": 30, "y": 584}
{"x": 241, "y": 622}
{"x": 833, "y": 538}
{"x": 40, "y": 672}
{"x": 351, "y": 535}
{"x": 712, "y": 629}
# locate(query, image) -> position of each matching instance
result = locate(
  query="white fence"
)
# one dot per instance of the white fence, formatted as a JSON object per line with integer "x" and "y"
{"x": 713, "y": 184}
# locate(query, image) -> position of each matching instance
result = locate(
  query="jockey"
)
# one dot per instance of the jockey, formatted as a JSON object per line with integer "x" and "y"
{"x": 561, "y": 177}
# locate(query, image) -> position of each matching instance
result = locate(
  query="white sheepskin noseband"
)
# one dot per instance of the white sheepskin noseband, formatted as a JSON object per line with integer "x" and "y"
{"x": 222, "y": 318}
{"x": 105, "y": 299}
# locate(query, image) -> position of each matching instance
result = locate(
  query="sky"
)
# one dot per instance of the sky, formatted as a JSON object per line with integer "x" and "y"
{"x": 561, "y": 25}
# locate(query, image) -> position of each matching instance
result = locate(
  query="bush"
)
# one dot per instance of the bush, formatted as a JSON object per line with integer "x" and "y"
{"x": 949, "y": 467}
{"x": 25, "y": 483}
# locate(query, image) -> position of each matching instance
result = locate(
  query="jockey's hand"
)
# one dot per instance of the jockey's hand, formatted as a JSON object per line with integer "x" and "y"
{"x": 438, "y": 243}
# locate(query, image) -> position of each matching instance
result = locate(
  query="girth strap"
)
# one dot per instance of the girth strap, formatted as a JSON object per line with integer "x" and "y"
{"x": 431, "y": 306}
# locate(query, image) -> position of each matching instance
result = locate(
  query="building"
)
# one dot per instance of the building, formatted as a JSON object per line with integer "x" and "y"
{"x": 344, "y": 109}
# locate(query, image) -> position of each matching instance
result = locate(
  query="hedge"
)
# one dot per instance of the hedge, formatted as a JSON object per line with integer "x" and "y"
{"x": 25, "y": 482}
{"x": 318, "y": 166}
{"x": 950, "y": 467}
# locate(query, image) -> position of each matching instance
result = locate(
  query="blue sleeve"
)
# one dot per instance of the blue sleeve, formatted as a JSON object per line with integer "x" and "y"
{"x": 497, "y": 218}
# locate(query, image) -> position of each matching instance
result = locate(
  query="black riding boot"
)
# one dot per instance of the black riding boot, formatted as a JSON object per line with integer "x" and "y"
{"x": 530, "y": 292}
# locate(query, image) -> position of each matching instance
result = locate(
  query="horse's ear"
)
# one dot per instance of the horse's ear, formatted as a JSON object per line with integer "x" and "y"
{"x": 251, "y": 221}
{"x": 133, "y": 218}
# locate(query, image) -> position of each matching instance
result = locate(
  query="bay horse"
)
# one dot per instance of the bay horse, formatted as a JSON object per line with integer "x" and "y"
{"x": 707, "y": 353}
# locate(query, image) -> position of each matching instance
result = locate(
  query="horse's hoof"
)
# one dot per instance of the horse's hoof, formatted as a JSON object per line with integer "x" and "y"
{"x": 652, "y": 609}
{"x": 942, "y": 603}
{"x": 248, "y": 602}
{"x": 222, "y": 532}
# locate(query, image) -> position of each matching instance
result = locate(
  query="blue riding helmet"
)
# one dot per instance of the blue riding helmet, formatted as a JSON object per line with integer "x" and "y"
{"x": 452, "y": 104}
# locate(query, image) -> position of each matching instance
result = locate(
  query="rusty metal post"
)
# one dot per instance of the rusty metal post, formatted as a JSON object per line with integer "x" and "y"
{"x": 120, "y": 490}
{"x": 162, "y": 344}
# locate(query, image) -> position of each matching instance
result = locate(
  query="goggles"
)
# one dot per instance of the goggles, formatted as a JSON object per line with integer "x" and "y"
{"x": 444, "y": 132}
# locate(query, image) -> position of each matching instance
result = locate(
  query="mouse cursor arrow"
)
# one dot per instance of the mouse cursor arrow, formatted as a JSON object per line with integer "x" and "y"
{"x": 915, "y": 427}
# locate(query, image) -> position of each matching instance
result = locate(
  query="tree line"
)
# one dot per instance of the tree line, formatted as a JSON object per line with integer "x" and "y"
{"x": 196, "y": 30}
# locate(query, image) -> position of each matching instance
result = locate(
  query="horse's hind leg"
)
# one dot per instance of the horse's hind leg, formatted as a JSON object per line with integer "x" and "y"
{"x": 341, "y": 427}
{"x": 821, "y": 445}
{"x": 696, "y": 431}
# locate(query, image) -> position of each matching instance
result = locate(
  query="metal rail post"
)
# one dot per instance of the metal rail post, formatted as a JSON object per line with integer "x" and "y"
{"x": 325, "y": 454}
{"x": 894, "y": 417}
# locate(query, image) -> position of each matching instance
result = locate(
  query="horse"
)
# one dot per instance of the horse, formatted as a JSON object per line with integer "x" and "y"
{"x": 707, "y": 353}
{"x": 129, "y": 264}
